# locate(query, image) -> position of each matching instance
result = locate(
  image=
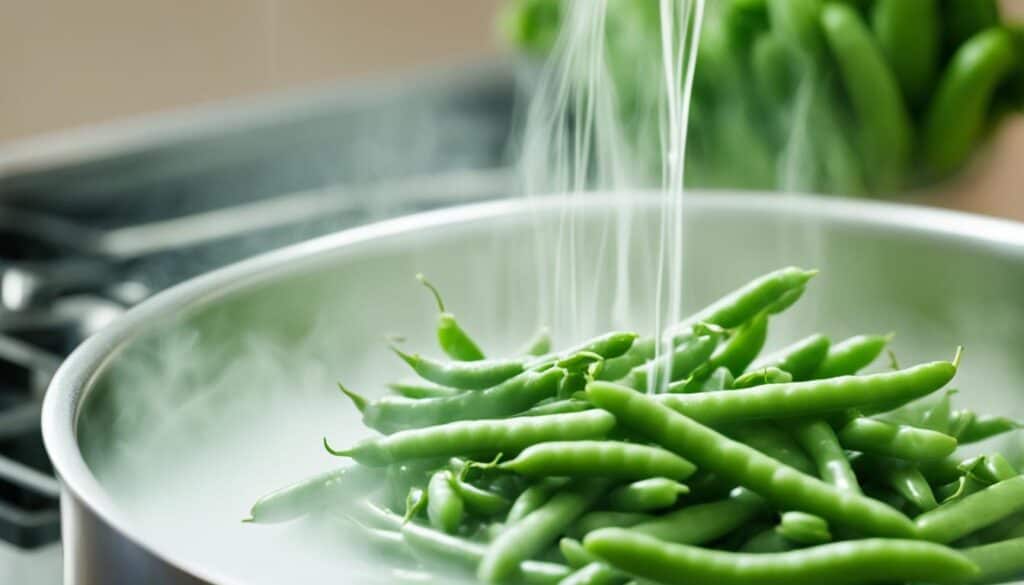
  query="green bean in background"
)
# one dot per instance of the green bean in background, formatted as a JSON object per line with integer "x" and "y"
{"x": 909, "y": 34}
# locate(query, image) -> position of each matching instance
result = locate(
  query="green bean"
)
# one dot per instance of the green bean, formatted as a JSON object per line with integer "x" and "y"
{"x": 803, "y": 529}
{"x": 797, "y": 22}
{"x": 598, "y": 458}
{"x": 574, "y": 553}
{"x": 774, "y": 75}
{"x": 956, "y": 116}
{"x": 703, "y": 523}
{"x": 415, "y": 503}
{"x": 864, "y": 561}
{"x": 475, "y": 375}
{"x": 370, "y": 514}
{"x": 478, "y": 500}
{"x": 396, "y": 413}
{"x": 900, "y": 441}
{"x": 903, "y": 478}
{"x": 416, "y": 388}
{"x": 986, "y": 426}
{"x": 538, "y": 530}
{"x": 742, "y": 348}
{"x": 646, "y": 495}
{"x": 767, "y": 541}
{"x": 616, "y": 368}
{"x": 908, "y": 33}
{"x": 683, "y": 360}
{"x": 454, "y": 341}
{"x": 811, "y": 398}
{"x": 820, "y": 442}
{"x": 446, "y": 550}
{"x": 745, "y": 466}
{"x": 999, "y": 562}
{"x": 744, "y": 303}
{"x": 607, "y": 346}
{"x": 801, "y": 359}
{"x": 719, "y": 379}
{"x": 558, "y": 407}
{"x": 965, "y": 18}
{"x": 787, "y": 300}
{"x": 534, "y": 497}
{"x": 301, "y": 498}
{"x": 445, "y": 508}
{"x": 886, "y": 134}
{"x": 954, "y": 520}
{"x": 595, "y": 574}
{"x": 773, "y": 442}
{"x": 851, "y": 355}
{"x": 605, "y": 519}
{"x": 483, "y": 437}
{"x": 537, "y": 345}
{"x": 988, "y": 468}
{"x": 940, "y": 470}
{"x": 767, "y": 375}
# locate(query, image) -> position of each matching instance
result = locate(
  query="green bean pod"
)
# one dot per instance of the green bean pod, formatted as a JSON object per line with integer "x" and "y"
{"x": 989, "y": 468}
{"x": 475, "y": 375}
{"x": 617, "y": 368}
{"x": 534, "y": 497}
{"x": 607, "y": 346}
{"x": 767, "y": 375}
{"x": 303, "y": 497}
{"x": 801, "y": 359}
{"x": 575, "y": 555}
{"x": 592, "y": 521}
{"x": 820, "y": 442}
{"x": 908, "y": 33}
{"x": 558, "y": 407}
{"x": 797, "y": 22}
{"x": 684, "y": 359}
{"x": 803, "y": 529}
{"x": 445, "y": 508}
{"x": 957, "y": 519}
{"x": 890, "y": 440}
{"x": 477, "y": 437}
{"x": 773, "y": 442}
{"x": 774, "y": 75}
{"x": 959, "y": 109}
{"x": 745, "y": 466}
{"x": 478, "y": 500}
{"x": 886, "y": 133}
{"x": 742, "y": 348}
{"x": 811, "y": 398}
{"x": 851, "y": 355}
{"x": 741, "y": 305}
{"x": 454, "y": 341}
{"x": 854, "y": 562}
{"x": 538, "y": 345}
{"x": 395, "y": 413}
{"x": 767, "y": 541}
{"x": 907, "y": 481}
{"x": 645, "y": 495}
{"x": 984, "y": 427}
{"x": 999, "y": 562}
{"x": 417, "y": 388}
{"x": 611, "y": 459}
{"x": 538, "y": 530}
{"x": 703, "y": 523}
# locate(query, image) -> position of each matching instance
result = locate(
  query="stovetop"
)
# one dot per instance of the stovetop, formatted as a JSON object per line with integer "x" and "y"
{"x": 94, "y": 222}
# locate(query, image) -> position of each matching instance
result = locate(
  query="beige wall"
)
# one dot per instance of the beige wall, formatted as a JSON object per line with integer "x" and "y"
{"x": 71, "y": 62}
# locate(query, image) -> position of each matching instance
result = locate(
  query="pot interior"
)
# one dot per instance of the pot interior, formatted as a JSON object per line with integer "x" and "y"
{"x": 225, "y": 391}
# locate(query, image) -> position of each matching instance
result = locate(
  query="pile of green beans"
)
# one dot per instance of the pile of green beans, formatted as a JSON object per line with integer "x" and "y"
{"x": 791, "y": 467}
{"x": 894, "y": 94}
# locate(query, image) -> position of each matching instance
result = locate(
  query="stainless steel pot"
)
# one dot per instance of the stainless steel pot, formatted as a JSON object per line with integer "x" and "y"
{"x": 166, "y": 425}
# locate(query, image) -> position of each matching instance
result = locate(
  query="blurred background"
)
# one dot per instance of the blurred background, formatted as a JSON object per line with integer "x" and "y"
{"x": 142, "y": 143}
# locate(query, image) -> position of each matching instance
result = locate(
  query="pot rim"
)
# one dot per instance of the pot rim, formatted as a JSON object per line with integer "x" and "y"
{"x": 78, "y": 373}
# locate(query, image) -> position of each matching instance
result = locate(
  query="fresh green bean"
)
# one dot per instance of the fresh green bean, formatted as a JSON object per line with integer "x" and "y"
{"x": 445, "y": 508}
{"x": 478, "y": 500}
{"x": 903, "y": 478}
{"x": 719, "y": 379}
{"x": 797, "y": 22}
{"x": 744, "y": 303}
{"x": 773, "y": 442}
{"x": 908, "y": 33}
{"x": 483, "y": 437}
{"x": 607, "y": 346}
{"x": 416, "y": 388}
{"x": 874, "y": 560}
{"x": 703, "y": 523}
{"x": 999, "y": 562}
{"x": 901, "y": 441}
{"x": 611, "y": 459}
{"x": 986, "y": 426}
{"x": 957, "y": 519}
{"x": 683, "y": 360}
{"x": 745, "y": 466}
{"x": 558, "y": 407}
{"x": 988, "y": 468}
{"x": 396, "y": 413}
{"x": 538, "y": 530}
{"x": 605, "y": 519}
{"x": 475, "y": 375}
{"x": 534, "y": 497}
{"x": 454, "y": 341}
{"x": 851, "y": 355}
{"x": 803, "y": 529}
{"x": 575, "y": 555}
{"x": 820, "y": 442}
{"x": 616, "y": 368}
{"x": 956, "y": 116}
{"x": 539, "y": 344}
{"x": 645, "y": 495}
{"x": 811, "y": 398}
{"x": 301, "y": 498}
{"x": 767, "y": 375}
{"x": 742, "y": 348}
{"x": 886, "y": 133}
{"x": 774, "y": 75}
{"x": 801, "y": 359}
